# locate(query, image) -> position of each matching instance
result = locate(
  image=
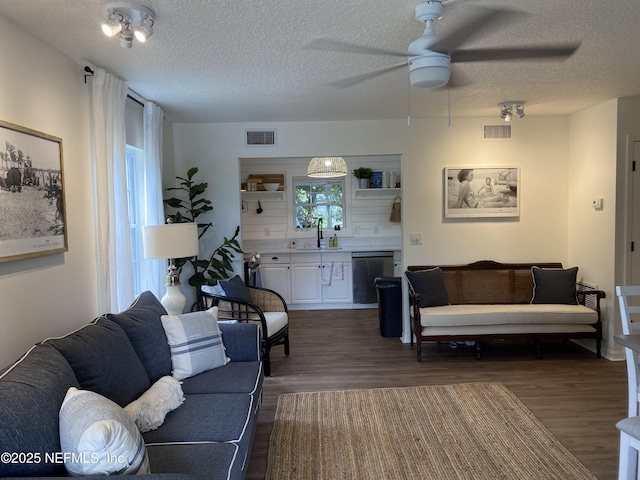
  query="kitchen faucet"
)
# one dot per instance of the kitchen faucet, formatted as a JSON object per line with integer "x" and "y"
{"x": 319, "y": 225}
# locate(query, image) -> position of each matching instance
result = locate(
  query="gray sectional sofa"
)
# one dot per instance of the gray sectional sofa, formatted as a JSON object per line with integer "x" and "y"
{"x": 120, "y": 356}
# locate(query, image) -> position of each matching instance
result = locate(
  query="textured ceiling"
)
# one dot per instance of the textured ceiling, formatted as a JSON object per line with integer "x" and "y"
{"x": 243, "y": 61}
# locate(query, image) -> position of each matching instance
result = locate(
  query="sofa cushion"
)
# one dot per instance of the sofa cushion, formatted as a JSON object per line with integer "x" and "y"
{"x": 236, "y": 288}
{"x": 195, "y": 342}
{"x": 148, "y": 411}
{"x": 104, "y": 361}
{"x": 554, "y": 285}
{"x": 141, "y": 322}
{"x": 216, "y": 417}
{"x": 234, "y": 377}
{"x": 429, "y": 284}
{"x": 31, "y": 392}
{"x": 100, "y": 437}
{"x": 201, "y": 461}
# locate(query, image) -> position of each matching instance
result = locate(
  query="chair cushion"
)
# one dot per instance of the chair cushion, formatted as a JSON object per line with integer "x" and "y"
{"x": 141, "y": 322}
{"x": 104, "y": 361}
{"x": 100, "y": 437}
{"x": 31, "y": 393}
{"x": 429, "y": 284}
{"x": 554, "y": 285}
{"x": 195, "y": 342}
{"x": 235, "y": 288}
{"x": 276, "y": 321}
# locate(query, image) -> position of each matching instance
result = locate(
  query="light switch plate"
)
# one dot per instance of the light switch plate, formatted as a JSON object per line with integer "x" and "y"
{"x": 415, "y": 238}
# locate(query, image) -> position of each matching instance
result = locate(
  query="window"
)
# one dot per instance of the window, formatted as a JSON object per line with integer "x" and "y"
{"x": 314, "y": 199}
{"x": 135, "y": 194}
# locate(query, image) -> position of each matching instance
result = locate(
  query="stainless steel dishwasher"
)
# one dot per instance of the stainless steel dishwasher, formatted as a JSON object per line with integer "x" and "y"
{"x": 367, "y": 266}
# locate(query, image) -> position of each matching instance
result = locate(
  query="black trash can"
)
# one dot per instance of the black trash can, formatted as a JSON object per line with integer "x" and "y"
{"x": 389, "y": 290}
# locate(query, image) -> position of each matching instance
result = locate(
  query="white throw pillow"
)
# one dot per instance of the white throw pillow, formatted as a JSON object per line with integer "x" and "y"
{"x": 149, "y": 411}
{"x": 195, "y": 341}
{"x": 98, "y": 437}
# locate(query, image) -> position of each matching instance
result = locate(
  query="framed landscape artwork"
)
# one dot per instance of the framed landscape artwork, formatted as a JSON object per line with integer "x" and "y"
{"x": 476, "y": 192}
{"x": 32, "y": 207}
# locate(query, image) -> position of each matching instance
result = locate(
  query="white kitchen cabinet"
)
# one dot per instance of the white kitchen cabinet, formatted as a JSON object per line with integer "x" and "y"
{"x": 339, "y": 290}
{"x": 276, "y": 274}
{"x": 337, "y": 283}
{"x": 306, "y": 283}
{"x": 298, "y": 277}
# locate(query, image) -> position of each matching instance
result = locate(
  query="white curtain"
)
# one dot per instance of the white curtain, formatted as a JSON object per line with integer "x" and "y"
{"x": 115, "y": 277}
{"x": 155, "y": 269}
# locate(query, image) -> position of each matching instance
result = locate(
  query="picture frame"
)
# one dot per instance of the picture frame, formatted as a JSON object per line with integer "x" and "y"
{"x": 482, "y": 192}
{"x": 32, "y": 205}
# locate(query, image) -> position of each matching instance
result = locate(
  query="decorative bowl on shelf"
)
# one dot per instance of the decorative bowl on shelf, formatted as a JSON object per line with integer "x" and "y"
{"x": 271, "y": 187}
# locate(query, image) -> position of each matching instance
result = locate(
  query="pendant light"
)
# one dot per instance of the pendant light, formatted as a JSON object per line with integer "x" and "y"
{"x": 327, "y": 167}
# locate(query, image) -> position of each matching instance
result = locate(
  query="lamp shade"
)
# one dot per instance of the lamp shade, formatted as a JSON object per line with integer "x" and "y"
{"x": 327, "y": 167}
{"x": 173, "y": 240}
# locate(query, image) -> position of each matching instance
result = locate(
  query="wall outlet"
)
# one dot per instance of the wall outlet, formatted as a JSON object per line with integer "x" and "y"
{"x": 415, "y": 238}
{"x": 376, "y": 230}
{"x": 267, "y": 232}
{"x": 357, "y": 230}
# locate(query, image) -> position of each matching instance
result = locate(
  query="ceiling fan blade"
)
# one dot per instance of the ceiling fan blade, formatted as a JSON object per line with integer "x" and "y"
{"x": 517, "y": 53}
{"x": 485, "y": 19}
{"x": 330, "y": 45}
{"x": 347, "y": 82}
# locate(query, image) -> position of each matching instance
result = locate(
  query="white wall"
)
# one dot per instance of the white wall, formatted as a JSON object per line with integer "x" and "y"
{"x": 50, "y": 295}
{"x": 592, "y": 173}
{"x": 539, "y": 147}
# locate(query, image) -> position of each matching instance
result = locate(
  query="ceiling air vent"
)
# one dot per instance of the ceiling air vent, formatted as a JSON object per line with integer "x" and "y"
{"x": 260, "y": 138}
{"x": 496, "y": 132}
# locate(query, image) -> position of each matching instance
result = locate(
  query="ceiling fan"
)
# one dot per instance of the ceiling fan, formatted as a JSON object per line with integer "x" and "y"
{"x": 430, "y": 57}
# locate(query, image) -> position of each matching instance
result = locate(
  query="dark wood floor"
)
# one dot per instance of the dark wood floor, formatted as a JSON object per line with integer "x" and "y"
{"x": 577, "y": 396}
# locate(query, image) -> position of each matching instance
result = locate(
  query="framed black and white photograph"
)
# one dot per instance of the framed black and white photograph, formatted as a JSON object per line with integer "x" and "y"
{"x": 476, "y": 192}
{"x": 32, "y": 207}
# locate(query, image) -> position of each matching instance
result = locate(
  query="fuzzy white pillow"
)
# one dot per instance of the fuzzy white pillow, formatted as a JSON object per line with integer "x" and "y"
{"x": 152, "y": 407}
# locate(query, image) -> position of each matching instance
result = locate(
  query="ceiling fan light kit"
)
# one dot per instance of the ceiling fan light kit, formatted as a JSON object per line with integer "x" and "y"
{"x": 129, "y": 20}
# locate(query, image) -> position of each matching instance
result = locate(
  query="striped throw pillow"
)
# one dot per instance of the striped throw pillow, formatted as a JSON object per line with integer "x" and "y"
{"x": 99, "y": 438}
{"x": 195, "y": 341}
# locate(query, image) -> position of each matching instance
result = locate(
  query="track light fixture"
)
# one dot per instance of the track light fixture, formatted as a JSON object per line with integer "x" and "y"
{"x": 129, "y": 20}
{"x": 507, "y": 110}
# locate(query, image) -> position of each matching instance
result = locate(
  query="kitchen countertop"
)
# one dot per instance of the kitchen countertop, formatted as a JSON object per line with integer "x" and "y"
{"x": 346, "y": 249}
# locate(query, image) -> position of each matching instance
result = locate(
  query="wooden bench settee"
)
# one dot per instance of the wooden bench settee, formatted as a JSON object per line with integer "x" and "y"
{"x": 490, "y": 300}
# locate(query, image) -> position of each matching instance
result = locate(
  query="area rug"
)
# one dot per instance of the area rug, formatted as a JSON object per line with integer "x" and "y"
{"x": 466, "y": 431}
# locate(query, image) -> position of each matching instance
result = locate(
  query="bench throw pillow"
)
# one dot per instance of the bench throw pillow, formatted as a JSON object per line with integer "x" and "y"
{"x": 99, "y": 437}
{"x": 195, "y": 341}
{"x": 554, "y": 285}
{"x": 429, "y": 284}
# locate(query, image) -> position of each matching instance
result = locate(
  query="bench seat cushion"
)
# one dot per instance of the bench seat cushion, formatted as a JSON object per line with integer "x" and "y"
{"x": 503, "y": 315}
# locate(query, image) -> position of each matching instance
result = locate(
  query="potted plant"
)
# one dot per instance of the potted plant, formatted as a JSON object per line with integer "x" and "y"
{"x": 363, "y": 174}
{"x": 190, "y": 205}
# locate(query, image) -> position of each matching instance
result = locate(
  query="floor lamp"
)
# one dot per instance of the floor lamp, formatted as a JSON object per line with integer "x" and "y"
{"x": 171, "y": 241}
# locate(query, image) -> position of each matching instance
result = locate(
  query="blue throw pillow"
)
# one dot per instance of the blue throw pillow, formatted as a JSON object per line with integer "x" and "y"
{"x": 429, "y": 284}
{"x": 141, "y": 322}
{"x": 235, "y": 288}
{"x": 104, "y": 361}
{"x": 31, "y": 393}
{"x": 555, "y": 285}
